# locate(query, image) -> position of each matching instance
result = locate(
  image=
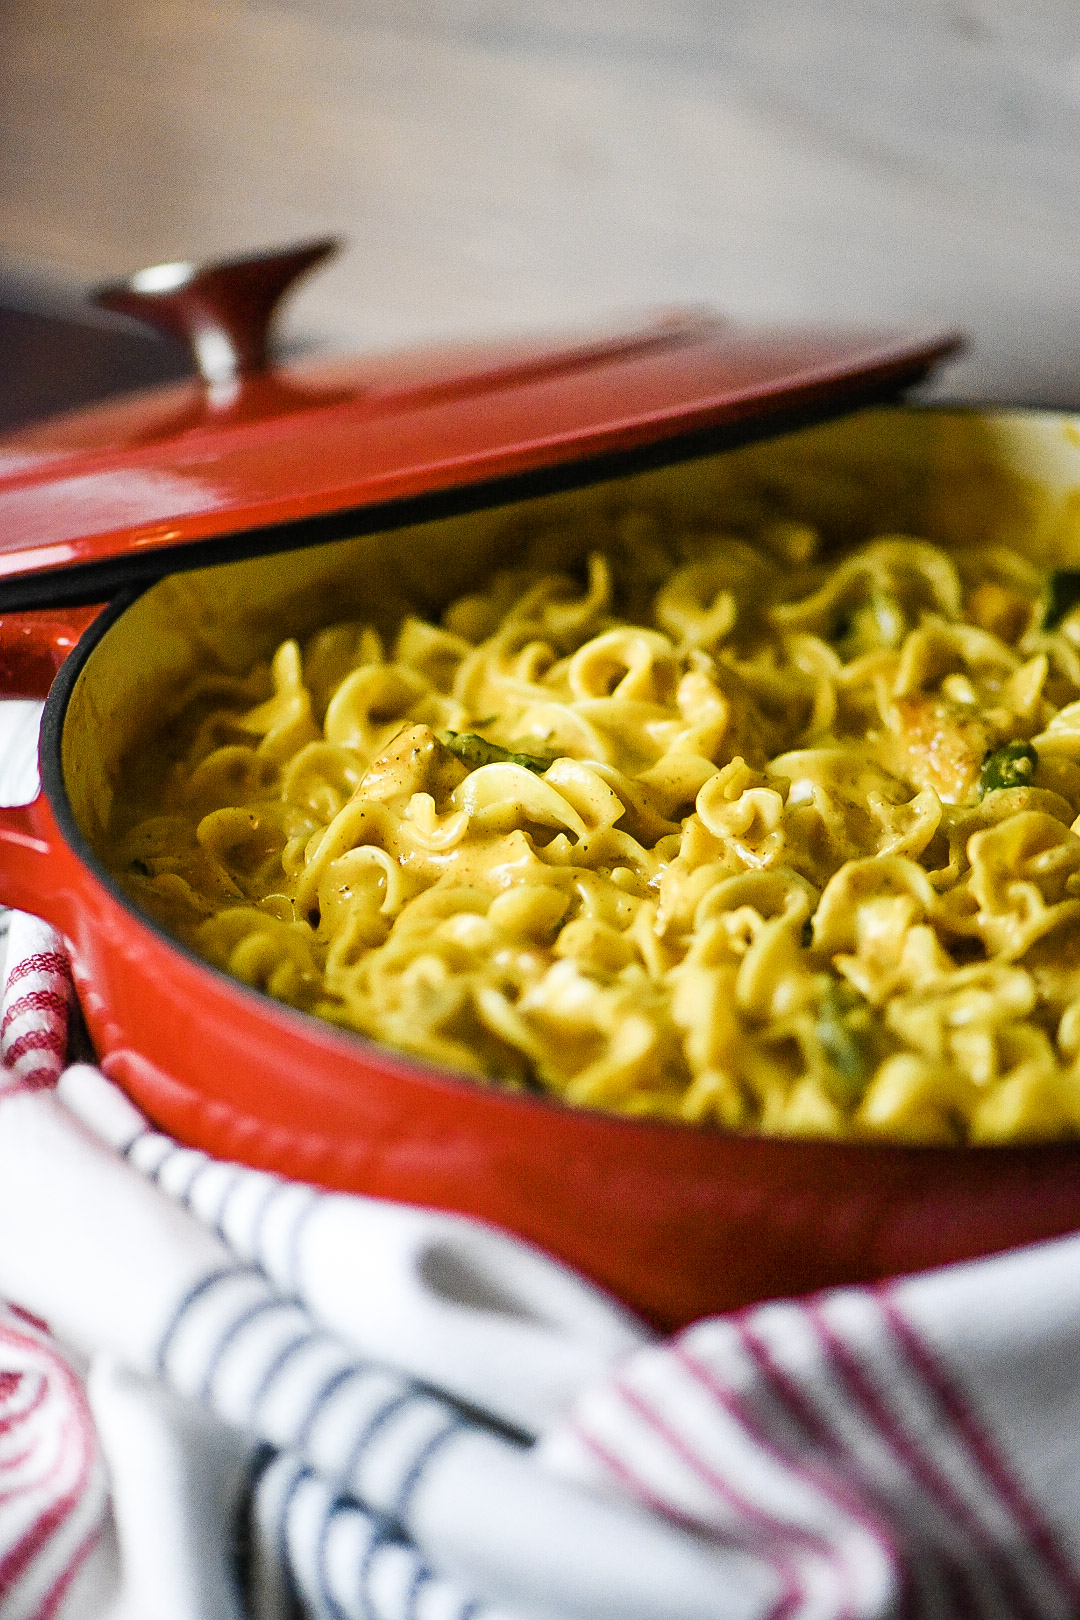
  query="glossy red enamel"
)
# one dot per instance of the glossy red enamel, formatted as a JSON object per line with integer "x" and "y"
{"x": 189, "y": 463}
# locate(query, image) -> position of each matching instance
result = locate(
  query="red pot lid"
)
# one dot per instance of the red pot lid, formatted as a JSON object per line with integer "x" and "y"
{"x": 269, "y": 458}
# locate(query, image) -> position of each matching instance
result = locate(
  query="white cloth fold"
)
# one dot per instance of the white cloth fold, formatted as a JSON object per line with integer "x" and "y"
{"x": 352, "y": 1383}
{"x": 116, "y": 1267}
{"x": 175, "y": 1477}
{"x": 461, "y": 1305}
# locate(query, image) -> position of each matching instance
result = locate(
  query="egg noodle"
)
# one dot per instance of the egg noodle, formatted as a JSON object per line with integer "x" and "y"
{"x": 720, "y": 831}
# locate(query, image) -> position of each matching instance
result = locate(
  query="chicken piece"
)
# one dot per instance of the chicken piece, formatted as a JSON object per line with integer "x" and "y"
{"x": 414, "y": 761}
{"x": 942, "y": 746}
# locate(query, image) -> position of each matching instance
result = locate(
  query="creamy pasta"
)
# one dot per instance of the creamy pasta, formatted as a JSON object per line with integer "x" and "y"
{"x": 722, "y": 830}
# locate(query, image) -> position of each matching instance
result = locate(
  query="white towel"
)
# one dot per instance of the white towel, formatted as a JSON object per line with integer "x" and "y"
{"x": 312, "y": 1403}
{"x": 367, "y": 1480}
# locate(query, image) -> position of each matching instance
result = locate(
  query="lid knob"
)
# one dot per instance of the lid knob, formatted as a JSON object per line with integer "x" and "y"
{"x": 222, "y": 312}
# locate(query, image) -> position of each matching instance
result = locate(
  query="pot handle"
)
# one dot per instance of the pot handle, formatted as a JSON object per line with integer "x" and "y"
{"x": 32, "y": 852}
{"x": 28, "y": 861}
{"x": 34, "y": 645}
{"x": 221, "y": 312}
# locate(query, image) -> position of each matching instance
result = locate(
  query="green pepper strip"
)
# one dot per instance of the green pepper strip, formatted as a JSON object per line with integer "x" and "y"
{"x": 1009, "y": 767}
{"x": 1062, "y": 597}
{"x": 848, "y": 1047}
{"x": 475, "y": 751}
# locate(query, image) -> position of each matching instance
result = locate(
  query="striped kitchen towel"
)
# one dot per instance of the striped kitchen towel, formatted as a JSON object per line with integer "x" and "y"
{"x": 52, "y": 1482}
{"x": 222, "y": 1394}
{"x": 37, "y": 1001}
{"x": 409, "y": 1414}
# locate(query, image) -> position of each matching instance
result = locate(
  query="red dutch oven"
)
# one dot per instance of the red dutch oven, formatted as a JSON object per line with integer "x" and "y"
{"x": 287, "y": 465}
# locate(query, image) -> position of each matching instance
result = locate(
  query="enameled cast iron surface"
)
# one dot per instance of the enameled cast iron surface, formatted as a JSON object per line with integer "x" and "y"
{"x": 677, "y": 1221}
{"x": 192, "y": 474}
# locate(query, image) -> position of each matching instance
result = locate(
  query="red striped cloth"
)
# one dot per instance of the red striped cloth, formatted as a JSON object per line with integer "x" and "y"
{"x": 36, "y": 1004}
{"x": 53, "y": 1499}
{"x": 52, "y": 1488}
{"x": 883, "y": 1451}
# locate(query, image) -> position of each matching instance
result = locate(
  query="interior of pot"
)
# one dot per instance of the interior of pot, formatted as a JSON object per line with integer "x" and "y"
{"x": 1009, "y": 476}
{"x": 679, "y": 1222}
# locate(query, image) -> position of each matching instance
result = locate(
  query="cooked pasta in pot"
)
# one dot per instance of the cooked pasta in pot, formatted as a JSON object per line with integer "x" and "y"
{"x": 723, "y": 831}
